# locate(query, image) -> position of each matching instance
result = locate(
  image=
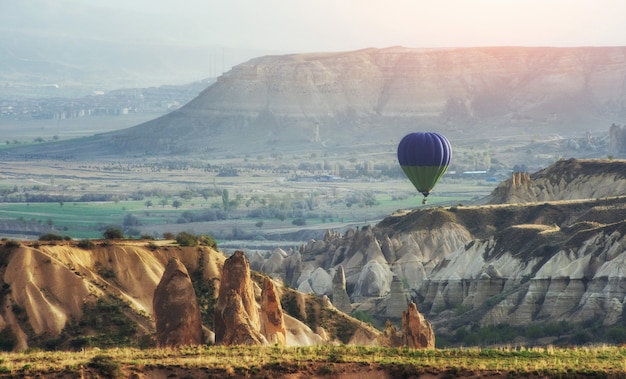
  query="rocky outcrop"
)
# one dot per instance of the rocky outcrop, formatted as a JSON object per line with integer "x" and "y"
{"x": 341, "y": 300}
{"x": 236, "y": 318}
{"x": 416, "y": 330}
{"x": 176, "y": 311}
{"x": 516, "y": 264}
{"x": 592, "y": 179}
{"x": 272, "y": 322}
{"x": 617, "y": 140}
{"x": 374, "y": 280}
{"x": 390, "y": 337}
{"x": 51, "y": 284}
{"x": 48, "y": 284}
{"x": 236, "y": 327}
{"x": 317, "y": 281}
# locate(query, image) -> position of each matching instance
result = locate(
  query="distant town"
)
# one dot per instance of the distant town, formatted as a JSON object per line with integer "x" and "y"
{"x": 116, "y": 102}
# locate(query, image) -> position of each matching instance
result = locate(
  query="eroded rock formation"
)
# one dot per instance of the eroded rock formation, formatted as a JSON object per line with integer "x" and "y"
{"x": 617, "y": 139}
{"x": 550, "y": 261}
{"x": 416, "y": 330}
{"x": 236, "y": 311}
{"x": 592, "y": 179}
{"x": 390, "y": 337}
{"x": 51, "y": 284}
{"x": 341, "y": 300}
{"x": 272, "y": 321}
{"x": 176, "y": 311}
{"x": 236, "y": 326}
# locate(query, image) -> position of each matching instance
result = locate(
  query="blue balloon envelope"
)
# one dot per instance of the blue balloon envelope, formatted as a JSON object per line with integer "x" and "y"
{"x": 424, "y": 158}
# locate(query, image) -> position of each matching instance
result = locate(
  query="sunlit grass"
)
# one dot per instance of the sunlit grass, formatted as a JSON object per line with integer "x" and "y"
{"x": 546, "y": 360}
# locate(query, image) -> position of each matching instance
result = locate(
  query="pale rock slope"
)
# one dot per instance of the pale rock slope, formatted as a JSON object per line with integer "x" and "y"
{"x": 556, "y": 253}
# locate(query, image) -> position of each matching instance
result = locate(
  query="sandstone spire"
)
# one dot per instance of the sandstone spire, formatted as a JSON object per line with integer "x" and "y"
{"x": 417, "y": 331}
{"x": 341, "y": 300}
{"x": 235, "y": 311}
{"x": 272, "y": 322}
{"x": 176, "y": 310}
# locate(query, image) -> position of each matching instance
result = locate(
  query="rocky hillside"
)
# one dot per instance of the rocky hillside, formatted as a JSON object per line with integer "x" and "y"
{"x": 71, "y": 295}
{"x": 357, "y": 99}
{"x": 538, "y": 263}
{"x": 565, "y": 180}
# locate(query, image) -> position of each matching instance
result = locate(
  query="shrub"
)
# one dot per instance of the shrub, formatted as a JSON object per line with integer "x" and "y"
{"x": 12, "y": 243}
{"x": 113, "y": 233}
{"x": 616, "y": 334}
{"x": 190, "y": 239}
{"x": 50, "y": 237}
{"x": 7, "y": 339}
{"x": 364, "y": 316}
{"x": 206, "y": 240}
{"x": 85, "y": 244}
{"x": 299, "y": 222}
{"x": 186, "y": 239}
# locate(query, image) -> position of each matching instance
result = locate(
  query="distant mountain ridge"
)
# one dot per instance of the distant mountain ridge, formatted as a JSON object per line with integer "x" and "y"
{"x": 367, "y": 96}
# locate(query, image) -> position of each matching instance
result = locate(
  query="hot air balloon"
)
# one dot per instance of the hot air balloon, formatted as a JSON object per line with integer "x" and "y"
{"x": 424, "y": 158}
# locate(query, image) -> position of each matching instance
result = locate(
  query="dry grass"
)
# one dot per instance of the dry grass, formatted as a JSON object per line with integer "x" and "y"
{"x": 548, "y": 361}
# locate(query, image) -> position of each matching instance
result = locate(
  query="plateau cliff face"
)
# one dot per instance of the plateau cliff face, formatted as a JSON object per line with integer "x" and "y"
{"x": 304, "y": 100}
{"x": 310, "y": 98}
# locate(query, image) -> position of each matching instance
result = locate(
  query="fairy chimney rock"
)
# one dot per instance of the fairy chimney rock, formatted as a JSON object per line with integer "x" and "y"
{"x": 176, "y": 309}
{"x": 238, "y": 328}
{"x": 341, "y": 300}
{"x": 235, "y": 281}
{"x": 417, "y": 331}
{"x": 272, "y": 322}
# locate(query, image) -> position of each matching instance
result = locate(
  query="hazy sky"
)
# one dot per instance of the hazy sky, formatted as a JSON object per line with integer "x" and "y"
{"x": 331, "y": 25}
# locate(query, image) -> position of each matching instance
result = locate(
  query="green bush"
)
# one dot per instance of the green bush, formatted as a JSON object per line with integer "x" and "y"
{"x": 299, "y": 222}
{"x": 86, "y": 244}
{"x": 186, "y": 239}
{"x": 113, "y": 233}
{"x": 363, "y": 316}
{"x": 189, "y": 239}
{"x": 206, "y": 240}
{"x": 50, "y": 237}
{"x": 12, "y": 243}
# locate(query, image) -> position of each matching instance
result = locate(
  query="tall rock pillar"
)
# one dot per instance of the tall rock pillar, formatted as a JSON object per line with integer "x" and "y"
{"x": 176, "y": 309}
{"x": 417, "y": 331}
{"x": 236, "y": 318}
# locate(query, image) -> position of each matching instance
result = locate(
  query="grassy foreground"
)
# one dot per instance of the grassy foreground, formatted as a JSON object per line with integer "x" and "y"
{"x": 598, "y": 361}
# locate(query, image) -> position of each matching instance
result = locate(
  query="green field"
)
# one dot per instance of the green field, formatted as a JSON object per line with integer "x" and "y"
{"x": 88, "y": 219}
